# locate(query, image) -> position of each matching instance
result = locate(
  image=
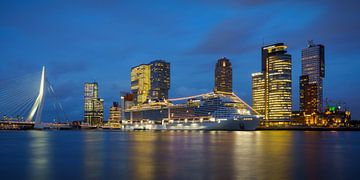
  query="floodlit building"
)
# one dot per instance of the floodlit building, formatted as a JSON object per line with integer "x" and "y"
{"x": 93, "y": 105}
{"x": 223, "y": 76}
{"x": 115, "y": 113}
{"x": 140, "y": 82}
{"x": 335, "y": 116}
{"x": 150, "y": 81}
{"x": 258, "y": 92}
{"x": 272, "y": 87}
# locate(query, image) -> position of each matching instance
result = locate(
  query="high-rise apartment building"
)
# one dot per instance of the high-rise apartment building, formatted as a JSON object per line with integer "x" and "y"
{"x": 311, "y": 81}
{"x": 93, "y": 105}
{"x": 140, "y": 82}
{"x": 275, "y": 79}
{"x": 223, "y": 76}
{"x": 150, "y": 81}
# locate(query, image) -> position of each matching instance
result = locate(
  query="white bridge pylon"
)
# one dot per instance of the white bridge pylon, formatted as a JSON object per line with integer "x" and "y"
{"x": 38, "y": 104}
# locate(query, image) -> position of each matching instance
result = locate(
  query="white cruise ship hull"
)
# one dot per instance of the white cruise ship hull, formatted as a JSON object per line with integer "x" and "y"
{"x": 223, "y": 125}
{"x": 227, "y": 125}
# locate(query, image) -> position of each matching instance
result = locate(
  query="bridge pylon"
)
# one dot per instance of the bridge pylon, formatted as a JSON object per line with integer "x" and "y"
{"x": 39, "y": 102}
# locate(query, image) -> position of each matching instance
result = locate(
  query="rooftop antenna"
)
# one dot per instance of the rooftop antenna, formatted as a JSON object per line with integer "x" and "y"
{"x": 310, "y": 43}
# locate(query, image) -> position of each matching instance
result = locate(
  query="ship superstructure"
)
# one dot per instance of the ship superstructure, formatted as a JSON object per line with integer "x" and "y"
{"x": 208, "y": 112}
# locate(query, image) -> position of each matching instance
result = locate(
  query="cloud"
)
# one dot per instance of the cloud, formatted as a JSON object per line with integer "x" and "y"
{"x": 293, "y": 22}
{"x": 229, "y": 37}
{"x": 62, "y": 68}
{"x": 235, "y": 3}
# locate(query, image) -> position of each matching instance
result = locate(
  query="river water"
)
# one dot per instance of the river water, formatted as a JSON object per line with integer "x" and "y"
{"x": 101, "y": 154}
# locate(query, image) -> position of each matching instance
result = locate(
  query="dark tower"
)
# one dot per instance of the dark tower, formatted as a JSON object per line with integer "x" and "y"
{"x": 311, "y": 81}
{"x": 159, "y": 80}
{"x": 223, "y": 76}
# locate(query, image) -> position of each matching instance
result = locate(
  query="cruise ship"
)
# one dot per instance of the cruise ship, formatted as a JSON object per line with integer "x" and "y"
{"x": 210, "y": 112}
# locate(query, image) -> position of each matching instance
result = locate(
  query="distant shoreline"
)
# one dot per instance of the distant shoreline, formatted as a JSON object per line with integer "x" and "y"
{"x": 258, "y": 129}
{"x": 307, "y": 129}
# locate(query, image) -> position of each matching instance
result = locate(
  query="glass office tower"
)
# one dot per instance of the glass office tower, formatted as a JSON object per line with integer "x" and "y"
{"x": 159, "y": 80}
{"x": 311, "y": 81}
{"x": 275, "y": 79}
{"x": 258, "y": 92}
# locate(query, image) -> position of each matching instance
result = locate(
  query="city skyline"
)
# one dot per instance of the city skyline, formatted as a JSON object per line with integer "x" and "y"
{"x": 180, "y": 89}
{"x": 82, "y": 52}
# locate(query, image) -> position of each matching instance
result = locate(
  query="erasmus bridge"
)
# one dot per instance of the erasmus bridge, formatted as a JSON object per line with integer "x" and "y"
{"x": 25, "y": 100}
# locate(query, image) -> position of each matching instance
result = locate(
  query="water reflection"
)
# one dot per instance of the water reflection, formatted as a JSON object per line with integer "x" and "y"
{"x": 274, "y": 149}
{"x": 141, "y": 153}
{"x": 39, "y": 155}
{"x": 322, "y": 153}
{"x": 93, "y": 155}
{"x": 182, "y": 155}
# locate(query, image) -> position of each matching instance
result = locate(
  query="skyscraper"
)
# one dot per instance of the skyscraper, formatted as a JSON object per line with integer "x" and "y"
{"x": 223, "y": 76}
{"x": 258, "y": 92}
{"x": 160, "y": 80}
{"x": 275, "y": 77}
{"x": 311, "y": 81}
{"x": 150, "y": 81}
{"x": 140, "y": 82}
{"x": 93, "y": 105}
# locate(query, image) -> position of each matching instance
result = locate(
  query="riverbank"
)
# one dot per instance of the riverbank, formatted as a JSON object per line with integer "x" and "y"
{"x": 309, "y": 128}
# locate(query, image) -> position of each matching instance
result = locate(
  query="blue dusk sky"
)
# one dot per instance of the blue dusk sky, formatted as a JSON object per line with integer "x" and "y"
{"x": 100, "y": 40}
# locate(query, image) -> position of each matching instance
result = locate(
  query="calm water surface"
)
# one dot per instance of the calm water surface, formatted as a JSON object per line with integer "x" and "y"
{"x": 179, "y": 155}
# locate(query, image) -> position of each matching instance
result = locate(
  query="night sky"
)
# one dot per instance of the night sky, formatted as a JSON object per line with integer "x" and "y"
{"x": 100, "y": 40}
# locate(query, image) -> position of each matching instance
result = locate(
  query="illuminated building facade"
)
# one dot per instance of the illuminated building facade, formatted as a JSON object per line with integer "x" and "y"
{"x": 93, "y": 105}
{"x": 223, "y": 76}
{"x": 258, "y": 92}
{"x": 114, "y": 114}
{"x": 160, "y": 80}
{"x": 140, "y": 82}
{"x": 275, "y": 81}
{"x": 308, "y": 96}
{"x": 311, "y": 81}
{"x": 334, "y": 116}
{"x": 150, "y": 81}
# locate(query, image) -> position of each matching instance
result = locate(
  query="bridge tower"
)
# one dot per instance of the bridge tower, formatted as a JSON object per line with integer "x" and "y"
{"x": 39, "y": 102}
